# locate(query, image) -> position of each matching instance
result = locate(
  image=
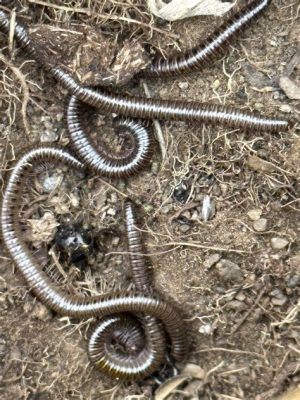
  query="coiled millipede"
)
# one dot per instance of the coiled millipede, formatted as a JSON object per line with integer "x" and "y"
{"x": 101, "y": 160}
{"x": 142, "y": 337}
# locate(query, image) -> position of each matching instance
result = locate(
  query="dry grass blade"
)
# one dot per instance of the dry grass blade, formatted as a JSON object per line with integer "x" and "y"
{"x": 21, "y": 78}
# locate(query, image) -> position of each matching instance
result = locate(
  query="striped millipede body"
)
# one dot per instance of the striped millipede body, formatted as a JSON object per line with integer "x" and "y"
{"x": 146, "y": 347}
{"x": 100, "y": 160}
{"x": 159, "y": 109}
{"x": 213, "y": 47}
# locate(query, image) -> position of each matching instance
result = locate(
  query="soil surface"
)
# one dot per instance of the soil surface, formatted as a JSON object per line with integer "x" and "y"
{"x": 220, "y": 212}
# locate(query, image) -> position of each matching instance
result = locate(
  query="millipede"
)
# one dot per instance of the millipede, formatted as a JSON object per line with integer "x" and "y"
{"x": 213, "y": 47}
{"x": 136, "y": 320}
{"x": 143, "y": 108}
{"x": 99, "y": 159}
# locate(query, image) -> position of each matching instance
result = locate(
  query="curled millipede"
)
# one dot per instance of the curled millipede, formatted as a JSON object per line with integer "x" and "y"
{"x": 161, "y": 109}
{"x": 213, "y": 47}
{"x": 127, "y": 330}
{"x": 146, "y": 354}
{"x": 100, "y": 160}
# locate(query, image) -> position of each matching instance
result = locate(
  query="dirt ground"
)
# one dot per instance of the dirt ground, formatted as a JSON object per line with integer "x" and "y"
{"x": 220, "y": 212}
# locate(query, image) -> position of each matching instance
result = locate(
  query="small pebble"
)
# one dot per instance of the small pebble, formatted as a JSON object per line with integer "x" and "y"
{"x": 260, "y": 225}
{"x": 206, "y": 329}
{"x": 212, "y": 260}
{"x": 184, "y": 228}
{"x": 51, "y": 182}
{"x": 279, "y": 299}
{"x": 295, "y": 261}
{"x": 279, "y": 302}
{"x": 240, "y": 296}
{"x": 236, "y": 305}
{"x": 111, "y": 212}
{"x": 49, "y": 136}
{"x": 166, "y": 209}
{"x": 183, "y": 85}
{"x": 254, "y": 214}
{"x": 115, "y": 241}
{"x": 279, "y": 243}
{"x": 293, "y": 281}
{"x": 229, "y": 271}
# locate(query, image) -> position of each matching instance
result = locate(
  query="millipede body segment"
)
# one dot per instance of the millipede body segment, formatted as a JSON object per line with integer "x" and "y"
{"x": 211, "y": 48}
{"x": 143, "y": 355}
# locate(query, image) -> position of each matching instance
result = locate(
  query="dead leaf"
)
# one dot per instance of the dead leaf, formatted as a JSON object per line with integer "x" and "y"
{"x": 168, "y": 386}
{"x": 290, "y": 88}
{"x": 178, "y": 9}
{"x": 42, "y": 230}
{"x": 194, "y": 371}
{"x": 188, "y": 372}
{"x": 258, "y": 164}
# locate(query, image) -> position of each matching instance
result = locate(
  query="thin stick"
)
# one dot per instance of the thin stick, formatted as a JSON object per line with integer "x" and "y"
{"x": 242, "y": 320}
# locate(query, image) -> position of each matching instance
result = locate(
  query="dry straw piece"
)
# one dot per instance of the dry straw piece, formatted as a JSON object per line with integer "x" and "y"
{"x": 178, "y": 9}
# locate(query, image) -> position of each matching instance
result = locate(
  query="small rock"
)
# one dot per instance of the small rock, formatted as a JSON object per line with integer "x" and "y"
{"x": 254, "y": 214}
{"x": 148, "y": 208}
{"x": 212, "y": 260}
{"x": 236, "y": 305}
{"x": 183, "y": 85}
{"x": 184, "y": 228}
{"x": 258, "y": 164}
{"x": 49, "y": 136}
{"x": 279, "y": 302}
{"x": 166, "y": 209}
{"x": 279, "y": 299}
{"x": 295, "y": 261}
{"x": 293, "y": 281}
{"x": 279, "y": 243}
{"x": 260, "y": 225}
{"x": 290, "y": 88}
{"x": 51, "y": 182}
{"x": 181, "y": 192}
{"x": 41, "y": 312}
{"x": 229, "y": 271}
{"x": 111, "y": 212}
{"x": 115, "y": 241}
{"x": 206, "y": 329}
{"x": 216, "y": 84}
{"x": 240, "y": 296}
{"x": 74, "y": 200}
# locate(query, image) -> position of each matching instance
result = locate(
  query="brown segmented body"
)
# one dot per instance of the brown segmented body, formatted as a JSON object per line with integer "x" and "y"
{"x": 159, "y": 109}
{"x": 213, "y": 47}
{"x": 141, "y": 361}
{"x": 99, "y": 159}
